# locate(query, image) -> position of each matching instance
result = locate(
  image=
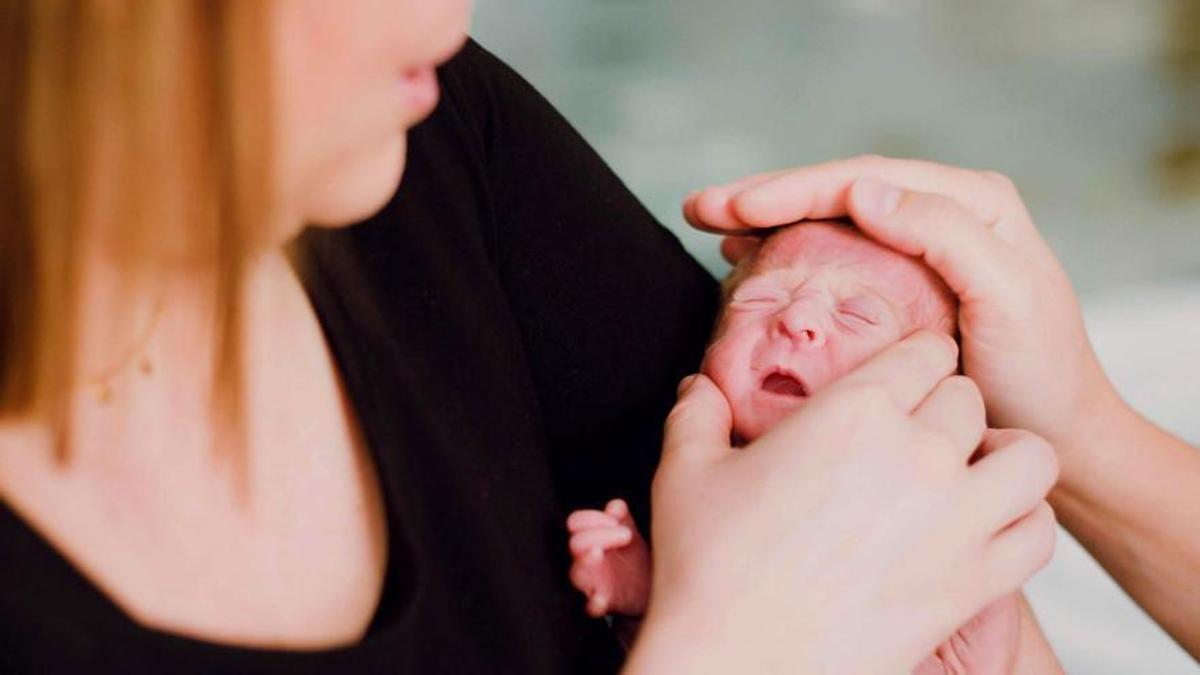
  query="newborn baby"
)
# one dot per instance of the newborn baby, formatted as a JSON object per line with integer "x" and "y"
{"x": 814, "y": 302}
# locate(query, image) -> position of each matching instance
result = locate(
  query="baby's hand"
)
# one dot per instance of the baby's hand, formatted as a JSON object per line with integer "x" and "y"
{"x": 611, "y": 560}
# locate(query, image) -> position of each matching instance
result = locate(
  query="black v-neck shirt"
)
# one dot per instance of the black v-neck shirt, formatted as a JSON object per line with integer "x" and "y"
{"x": 510, "y": 329}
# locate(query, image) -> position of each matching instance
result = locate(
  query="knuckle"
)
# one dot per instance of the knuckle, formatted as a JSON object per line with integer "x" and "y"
{"x": 965, "y": 388}
{"x": 1042, "y": 458}
{"x": 996, "y": 440}
{"x": 1045, "y": 537}
{"x": 933, "y": 351}
{"x": 1053, "y": 468}
{"x": 999, "y": 181}
{"x": 949, "y": 344}
{"x": 869, "y": 396}
{"x": 1033, "y": 546}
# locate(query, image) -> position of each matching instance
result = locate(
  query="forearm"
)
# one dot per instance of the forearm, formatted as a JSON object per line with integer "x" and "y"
{"x": 1034, "y": 654}
{"x": 1130, "y": 493}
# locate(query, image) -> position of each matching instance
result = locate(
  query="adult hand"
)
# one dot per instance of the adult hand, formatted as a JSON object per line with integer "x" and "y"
{"x": 1021, "y": 328}
{"x": 985, "y": 645}
{"x": 851, "y": 538}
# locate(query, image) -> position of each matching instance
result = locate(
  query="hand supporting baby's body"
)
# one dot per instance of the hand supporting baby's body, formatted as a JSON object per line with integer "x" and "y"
{"x": 813, "y": 303}
{"x": 612, "y": 567}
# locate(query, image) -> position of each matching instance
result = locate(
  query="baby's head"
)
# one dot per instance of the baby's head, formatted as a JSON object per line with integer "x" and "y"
{"x": 815, "y": 301}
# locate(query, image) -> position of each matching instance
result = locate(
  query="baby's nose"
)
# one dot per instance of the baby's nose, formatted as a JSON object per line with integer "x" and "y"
{"x": 801, "y": 323}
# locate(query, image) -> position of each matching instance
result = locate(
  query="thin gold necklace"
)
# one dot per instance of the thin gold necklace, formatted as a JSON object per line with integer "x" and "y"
{"x": 102, "y": 384}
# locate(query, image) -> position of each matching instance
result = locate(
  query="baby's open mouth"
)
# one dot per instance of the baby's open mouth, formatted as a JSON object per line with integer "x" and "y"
{"x": 784, "y": 385}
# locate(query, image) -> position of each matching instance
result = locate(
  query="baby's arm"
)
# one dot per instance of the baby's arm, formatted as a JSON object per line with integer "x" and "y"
{"x": 611, "y": 561}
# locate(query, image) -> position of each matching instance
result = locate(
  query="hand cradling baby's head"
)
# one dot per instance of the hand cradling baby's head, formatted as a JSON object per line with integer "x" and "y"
{"x": 815, "y": 301}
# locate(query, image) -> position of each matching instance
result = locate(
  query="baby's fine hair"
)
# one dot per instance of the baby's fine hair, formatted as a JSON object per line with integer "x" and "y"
{"x": 746, "y": 266}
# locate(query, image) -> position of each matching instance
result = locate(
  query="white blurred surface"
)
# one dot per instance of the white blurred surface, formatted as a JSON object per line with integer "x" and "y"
{"x": 1149, "y": 341}
{"x": 1074, "y": 99}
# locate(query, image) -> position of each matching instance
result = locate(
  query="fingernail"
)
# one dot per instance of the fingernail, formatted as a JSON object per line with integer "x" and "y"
{"x": 876, "y": 198}
{"x": 684, "y": 385}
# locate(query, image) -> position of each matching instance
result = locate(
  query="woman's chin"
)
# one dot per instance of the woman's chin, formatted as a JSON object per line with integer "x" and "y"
{"x": 355, "y": 193}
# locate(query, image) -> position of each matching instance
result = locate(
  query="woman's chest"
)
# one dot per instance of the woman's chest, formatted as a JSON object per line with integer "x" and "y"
{"x": 277, "y": 539}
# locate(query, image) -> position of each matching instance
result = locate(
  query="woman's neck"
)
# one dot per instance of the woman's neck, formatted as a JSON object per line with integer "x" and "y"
{"x": 128, "y": 319}
{"x": 145, "y": 348}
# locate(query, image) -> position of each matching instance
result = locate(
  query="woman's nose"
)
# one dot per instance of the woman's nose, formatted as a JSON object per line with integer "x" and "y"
{"x": 800, "y": 322}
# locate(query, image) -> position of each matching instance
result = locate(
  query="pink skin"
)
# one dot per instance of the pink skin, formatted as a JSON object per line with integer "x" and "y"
{"x": 812, "y": 304}
{"x": 815, "y": 302}
{"x": 612, "y": 560}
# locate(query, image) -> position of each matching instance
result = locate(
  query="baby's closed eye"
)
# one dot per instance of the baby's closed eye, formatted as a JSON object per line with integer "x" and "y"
{"x": 757, "y": 298}
{"x": 863, "y": 310}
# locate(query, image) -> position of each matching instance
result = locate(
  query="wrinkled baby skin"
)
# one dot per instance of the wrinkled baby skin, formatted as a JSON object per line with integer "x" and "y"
{"x": 817, "y": 300}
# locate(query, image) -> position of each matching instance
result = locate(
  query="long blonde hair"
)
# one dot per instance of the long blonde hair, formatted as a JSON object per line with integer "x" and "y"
{"x": 147, "y": 118}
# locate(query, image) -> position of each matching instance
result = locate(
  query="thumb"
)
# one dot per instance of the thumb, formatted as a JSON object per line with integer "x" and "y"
{"x": 951, "y": 239}
{"x": 700, "y": 423}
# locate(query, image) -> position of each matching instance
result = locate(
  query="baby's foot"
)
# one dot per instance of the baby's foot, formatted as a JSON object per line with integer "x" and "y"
{"x": 611, "y": 560}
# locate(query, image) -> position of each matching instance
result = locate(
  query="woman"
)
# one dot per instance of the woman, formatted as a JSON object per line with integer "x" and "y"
{"x": 1129, "y": 491}
{"x": 231, "y": 446}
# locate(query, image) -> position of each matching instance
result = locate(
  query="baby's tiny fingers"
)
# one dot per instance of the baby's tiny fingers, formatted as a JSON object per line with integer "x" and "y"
{"x": 594, "y": 556}
{"x": 600, "y": 538}
{"x": 585, "y": 577}
{"x": 597, "y": 605}
{"x": 617, "y": 508}
{"x": 582, "y": 520}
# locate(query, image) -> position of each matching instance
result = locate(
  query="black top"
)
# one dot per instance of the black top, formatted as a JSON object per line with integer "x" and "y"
{"x": 510, "y": 329}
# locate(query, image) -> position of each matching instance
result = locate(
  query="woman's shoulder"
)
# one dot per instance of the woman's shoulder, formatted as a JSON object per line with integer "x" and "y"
{"x": 476, "y": 77}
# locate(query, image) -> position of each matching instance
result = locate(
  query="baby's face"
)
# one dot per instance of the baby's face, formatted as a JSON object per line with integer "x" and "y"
{"x": 817, "y": 300}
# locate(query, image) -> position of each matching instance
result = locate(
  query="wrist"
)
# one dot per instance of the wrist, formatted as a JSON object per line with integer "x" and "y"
{"x": 1098, "y": 415}
{"x": 1093, "y": 447}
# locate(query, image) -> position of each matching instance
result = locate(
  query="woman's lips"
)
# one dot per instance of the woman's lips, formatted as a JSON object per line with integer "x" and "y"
{"x": 784, "y": 384}
{"x": 419, "y": 84}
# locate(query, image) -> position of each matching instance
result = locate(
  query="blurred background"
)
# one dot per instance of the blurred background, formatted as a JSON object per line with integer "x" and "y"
{"x": 1091, "y": 106}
